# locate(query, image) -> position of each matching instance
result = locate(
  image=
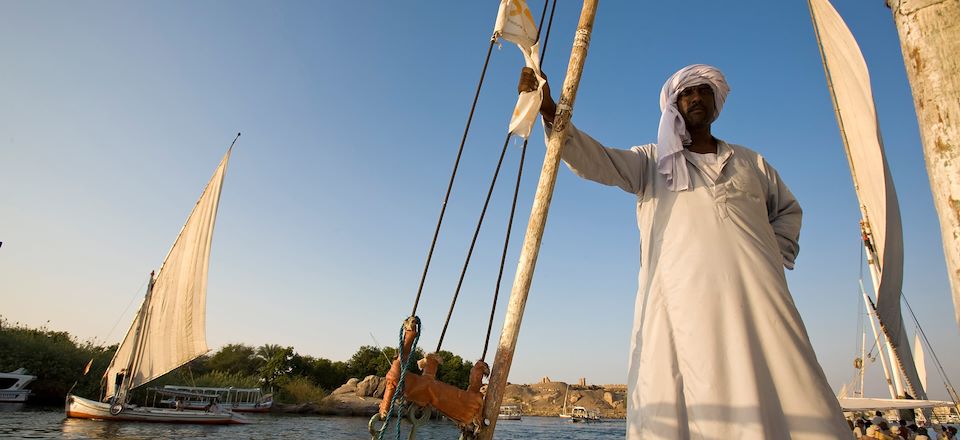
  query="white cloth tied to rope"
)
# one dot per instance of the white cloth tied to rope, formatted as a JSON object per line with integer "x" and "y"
{"x": 515, "y": 24}
{"x": 672, "y": 134}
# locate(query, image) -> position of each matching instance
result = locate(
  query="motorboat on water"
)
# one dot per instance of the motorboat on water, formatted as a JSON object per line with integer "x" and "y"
{"x": 510, "y": 412}
{"x": 579, "y": 414}
{"x": 13, "y": 386}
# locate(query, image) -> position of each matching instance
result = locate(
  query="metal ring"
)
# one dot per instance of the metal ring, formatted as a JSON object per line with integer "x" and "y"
{"x": 423, "y": 418}
{"x": 374, "y": 432}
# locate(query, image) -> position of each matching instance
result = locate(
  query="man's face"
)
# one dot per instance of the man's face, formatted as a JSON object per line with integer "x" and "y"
{"x": 696, "y": 105}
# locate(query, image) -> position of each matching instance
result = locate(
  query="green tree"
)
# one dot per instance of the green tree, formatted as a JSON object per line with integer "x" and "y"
{"x": 277, "y": 362}
{"x": 328, "y": 374}
{"x": 372, "y": 360}
{"x": 235, "y": 359}
{"x": 369, "y": 360}
{"x": 454, "y": 370}
{"x": 55, "y": 358}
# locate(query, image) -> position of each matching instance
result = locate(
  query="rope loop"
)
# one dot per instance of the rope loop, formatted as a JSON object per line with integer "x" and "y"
{"x": 414, "y": 323}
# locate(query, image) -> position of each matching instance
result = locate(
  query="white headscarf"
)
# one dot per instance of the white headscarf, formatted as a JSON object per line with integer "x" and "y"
{"x": 673, "y": 134}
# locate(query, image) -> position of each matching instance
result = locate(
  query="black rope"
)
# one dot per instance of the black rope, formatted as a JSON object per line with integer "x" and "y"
{"x": 516, "y": 192}
{"x": 506, "y": 245}
{"x": 453, "y": 175}
{"x": 943, "y": 374}
{"x": 473, "y": 242}
{"x": 546, "y": 37}
{"x": 483, "y": 212}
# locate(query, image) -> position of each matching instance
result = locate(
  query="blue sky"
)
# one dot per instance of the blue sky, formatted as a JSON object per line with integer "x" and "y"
{"x": 116, "y": 113}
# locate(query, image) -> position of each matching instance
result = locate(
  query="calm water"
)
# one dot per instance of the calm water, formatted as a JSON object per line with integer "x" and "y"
{"x": 26, "y": 422}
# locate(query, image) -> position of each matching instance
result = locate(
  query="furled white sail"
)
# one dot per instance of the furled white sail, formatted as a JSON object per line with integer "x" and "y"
{"x": 849, "y": 84}
{"x": 173, "y": 315}
{"x": 919, "y": 358}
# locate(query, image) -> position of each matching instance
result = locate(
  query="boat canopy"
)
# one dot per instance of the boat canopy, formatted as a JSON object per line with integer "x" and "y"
{"x": 185, "y": 394}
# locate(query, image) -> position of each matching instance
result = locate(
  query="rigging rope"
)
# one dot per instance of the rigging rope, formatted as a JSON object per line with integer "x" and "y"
{"x": 406, "y": 363}
{"x": 943, "y": 375}
{"x": 453, "y": 175}
{"x": 516, "y": 192}
{"x": 483, "y": 212}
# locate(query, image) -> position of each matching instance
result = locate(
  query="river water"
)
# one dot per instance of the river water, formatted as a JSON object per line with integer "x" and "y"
{"x": 50, "y": 423}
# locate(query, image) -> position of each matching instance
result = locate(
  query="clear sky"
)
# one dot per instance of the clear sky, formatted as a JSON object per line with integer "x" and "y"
{"x": 115, "y": 114}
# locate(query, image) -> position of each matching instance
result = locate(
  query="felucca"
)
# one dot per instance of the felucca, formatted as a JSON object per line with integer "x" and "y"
{"x": 169, "y": 329}
{"x": 849, "y": 83}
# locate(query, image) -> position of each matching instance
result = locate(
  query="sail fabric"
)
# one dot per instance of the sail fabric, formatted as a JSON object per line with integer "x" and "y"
{"x": 515, "y": 24}
{"x": 918, "y": 357}
{"x": 849, "y": 82}
{"x": 173, "y": 330}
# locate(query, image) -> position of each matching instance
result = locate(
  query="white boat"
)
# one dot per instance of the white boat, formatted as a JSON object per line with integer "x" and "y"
{"x": 13, "y": 386}
{"x": 169, "y": 329}
{"x": 580, "y": 414}
{"x": 234, "y": 399}
{"x": 510, "y": 412}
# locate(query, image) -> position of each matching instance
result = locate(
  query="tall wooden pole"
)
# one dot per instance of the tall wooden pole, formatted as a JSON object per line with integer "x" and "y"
{"x": 538, "y": 219}
{"x": 930, "y": 41}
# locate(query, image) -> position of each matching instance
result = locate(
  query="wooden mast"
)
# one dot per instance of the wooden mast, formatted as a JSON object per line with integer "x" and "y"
{"x": 930, "y": 41}
{"x": 535, "y": 226}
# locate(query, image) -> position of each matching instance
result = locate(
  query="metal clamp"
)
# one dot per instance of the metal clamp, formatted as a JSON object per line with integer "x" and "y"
{"x": 416, "y": 421}
{"x": 375, "y": 432}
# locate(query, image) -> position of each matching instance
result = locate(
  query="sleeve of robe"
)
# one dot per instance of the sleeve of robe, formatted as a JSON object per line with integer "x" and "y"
{"x": 590, "y": 160}
{"x": 784, "y": 214}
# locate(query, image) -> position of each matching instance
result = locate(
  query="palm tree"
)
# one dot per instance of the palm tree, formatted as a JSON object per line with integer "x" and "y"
{"x": 276, "y": 362}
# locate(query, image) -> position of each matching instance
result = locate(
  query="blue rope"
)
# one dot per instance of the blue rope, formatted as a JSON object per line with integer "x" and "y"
{"x": 403, "y": 374}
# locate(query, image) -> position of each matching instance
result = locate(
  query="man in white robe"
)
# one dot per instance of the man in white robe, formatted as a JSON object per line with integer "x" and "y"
{"x": 718, "y": 348}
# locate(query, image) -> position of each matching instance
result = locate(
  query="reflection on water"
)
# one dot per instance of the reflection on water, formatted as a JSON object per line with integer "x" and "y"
{"x": 51, "y": 424}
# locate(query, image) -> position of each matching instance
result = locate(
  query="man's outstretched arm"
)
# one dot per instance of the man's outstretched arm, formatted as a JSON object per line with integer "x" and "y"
{"x": 585, "y": 156}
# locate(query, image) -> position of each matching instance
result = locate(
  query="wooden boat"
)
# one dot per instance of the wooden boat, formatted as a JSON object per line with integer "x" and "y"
{"x": 848, "y": 81}
{"x": 169, "y": 329}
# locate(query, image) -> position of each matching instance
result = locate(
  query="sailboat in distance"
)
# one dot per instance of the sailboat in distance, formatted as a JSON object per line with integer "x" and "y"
{"x": 169, "y": 329}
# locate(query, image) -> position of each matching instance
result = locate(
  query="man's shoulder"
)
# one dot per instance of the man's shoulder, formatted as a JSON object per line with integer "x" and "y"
{"x": 648, "y": 150}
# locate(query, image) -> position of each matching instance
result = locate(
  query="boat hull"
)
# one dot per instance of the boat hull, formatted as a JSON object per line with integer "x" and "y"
{"x": 235, "y": 407}
{"x": 252, "y": 409}
{"x": 14, "y": 396}
{"x": 80, "y": 408}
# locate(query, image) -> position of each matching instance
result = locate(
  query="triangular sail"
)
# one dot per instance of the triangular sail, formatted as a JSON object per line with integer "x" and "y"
{"x": 849, "y": 84}
{"x": 173, "y": 331}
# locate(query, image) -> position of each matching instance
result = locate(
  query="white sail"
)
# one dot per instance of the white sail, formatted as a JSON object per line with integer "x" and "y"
{"x": 849, "y": 84}
{"x": 173, "y": 329}
{"x": 919, "y": 358}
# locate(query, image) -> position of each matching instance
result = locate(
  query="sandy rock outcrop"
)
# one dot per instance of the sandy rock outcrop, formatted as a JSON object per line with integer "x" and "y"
{"x": 371, "y": 386}
{"x": 347, "y": 388}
